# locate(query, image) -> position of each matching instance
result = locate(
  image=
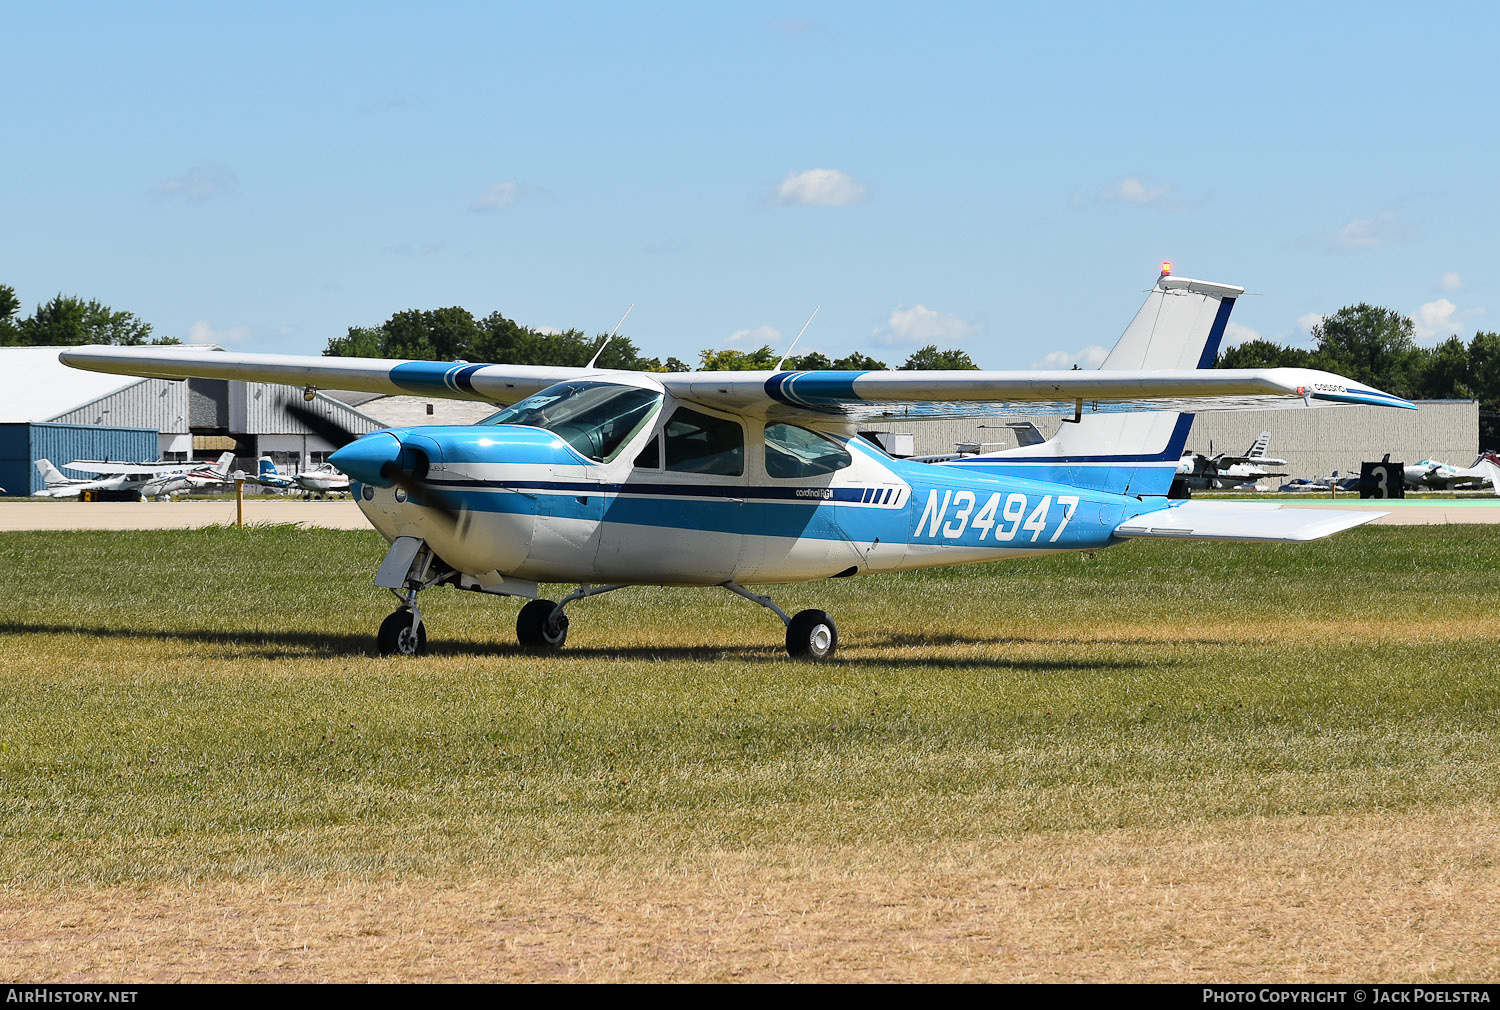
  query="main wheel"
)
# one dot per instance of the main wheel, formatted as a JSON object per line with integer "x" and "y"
{"x": 811, "y": 635}
{"x": 396, "y": 636}
{"x": 537, "y": 629}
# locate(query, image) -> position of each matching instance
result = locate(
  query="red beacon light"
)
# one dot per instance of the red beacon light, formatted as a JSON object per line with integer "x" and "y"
{"x": 1166, "y": 268}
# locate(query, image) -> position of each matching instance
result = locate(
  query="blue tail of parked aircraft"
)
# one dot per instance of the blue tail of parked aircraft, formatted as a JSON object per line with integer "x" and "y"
{"x": 1179, "y": 327}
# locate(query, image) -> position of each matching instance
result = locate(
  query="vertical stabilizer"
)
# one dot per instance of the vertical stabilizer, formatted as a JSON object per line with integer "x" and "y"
{"x": 1179, "y": 327}
{"x": 51, "y": 475}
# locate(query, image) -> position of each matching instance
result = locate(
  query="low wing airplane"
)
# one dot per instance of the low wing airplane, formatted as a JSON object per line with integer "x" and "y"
{"x": 151, "y": 480}
{"x": 1431, "y": 474}
{"x": 267, "y": 475}
{"x": 321, "y": 479}
{"x": 607, "y": 479}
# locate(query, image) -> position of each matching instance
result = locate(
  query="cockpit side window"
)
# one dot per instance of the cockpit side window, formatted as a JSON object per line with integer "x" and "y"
{"x": 797, "y": 452}
{"x": 595, "y": 418}
{"x": 701, "y": 443}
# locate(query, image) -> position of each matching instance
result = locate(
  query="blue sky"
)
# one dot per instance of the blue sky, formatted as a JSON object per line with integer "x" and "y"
{"x": 1005, "y": 179}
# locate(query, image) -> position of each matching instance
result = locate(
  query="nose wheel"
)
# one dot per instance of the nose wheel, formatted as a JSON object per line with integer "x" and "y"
{"x": 401, "y": 634}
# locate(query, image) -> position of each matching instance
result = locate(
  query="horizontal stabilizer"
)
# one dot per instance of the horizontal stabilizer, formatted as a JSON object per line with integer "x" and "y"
{"x": 1253, "y": 521}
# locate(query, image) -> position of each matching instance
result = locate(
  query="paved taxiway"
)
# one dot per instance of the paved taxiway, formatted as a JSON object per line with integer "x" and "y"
{"x": 341, "y": 514}
{"x": 345, "y": 515}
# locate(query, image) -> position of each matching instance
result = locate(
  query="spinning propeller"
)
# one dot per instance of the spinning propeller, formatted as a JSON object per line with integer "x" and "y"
{"x": 379, "y": 458}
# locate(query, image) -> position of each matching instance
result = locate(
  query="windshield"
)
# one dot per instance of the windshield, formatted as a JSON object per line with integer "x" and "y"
{"x": 596, "y": 418}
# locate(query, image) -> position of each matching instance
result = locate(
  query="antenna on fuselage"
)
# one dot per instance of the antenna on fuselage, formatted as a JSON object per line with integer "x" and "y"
{"x": 609, "y": 338}
{"x": 797, "y": 337}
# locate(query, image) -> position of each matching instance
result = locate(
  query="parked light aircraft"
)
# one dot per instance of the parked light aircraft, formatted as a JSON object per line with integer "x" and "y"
{"x": 322, "y": 479}
{"x": 607, "y": 479}
{"x": 150, "y": 480}
{"x": 1204, "y": 472}
{"x": 1429, "y": 473}
{"x": 267, "y": 475}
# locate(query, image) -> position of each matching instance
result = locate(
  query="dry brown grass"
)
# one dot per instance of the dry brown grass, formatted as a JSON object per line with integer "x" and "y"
{"x": 1375, "y": 898}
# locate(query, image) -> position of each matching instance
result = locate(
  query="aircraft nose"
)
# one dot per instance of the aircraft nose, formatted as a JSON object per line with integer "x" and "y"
{"x": 364, "y": 458}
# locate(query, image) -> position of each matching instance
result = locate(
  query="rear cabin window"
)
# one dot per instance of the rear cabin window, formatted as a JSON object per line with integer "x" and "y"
{"x": 702, "y": 443}
{"x": 797, "y": 452}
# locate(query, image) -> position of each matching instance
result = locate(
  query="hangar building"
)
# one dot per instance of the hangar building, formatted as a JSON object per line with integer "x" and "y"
{"x": 50, "y": 410}
{"x": 1314, "y": 442}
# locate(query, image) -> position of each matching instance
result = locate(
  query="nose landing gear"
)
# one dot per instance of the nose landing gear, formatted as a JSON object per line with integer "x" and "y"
{"x": 402, "y": 633}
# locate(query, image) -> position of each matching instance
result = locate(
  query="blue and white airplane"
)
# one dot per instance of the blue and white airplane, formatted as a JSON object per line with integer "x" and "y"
{"x": 608, "y": 479}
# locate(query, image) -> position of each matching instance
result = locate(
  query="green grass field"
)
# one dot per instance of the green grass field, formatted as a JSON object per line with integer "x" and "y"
{"x": 205, "y": 705}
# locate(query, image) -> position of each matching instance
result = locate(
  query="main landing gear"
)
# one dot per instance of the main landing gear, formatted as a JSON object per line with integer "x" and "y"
{"x": 810, "y": 634}
{"x": 541, "y": 624}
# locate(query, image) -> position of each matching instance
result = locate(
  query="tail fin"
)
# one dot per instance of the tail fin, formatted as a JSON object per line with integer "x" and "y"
{"x": 1179, "y": 327}
{"x": 221, "y": 468}
{"x": 268, "y": 468}
{"x": 1261, "y": 444}
{"x": 51, "y": 475}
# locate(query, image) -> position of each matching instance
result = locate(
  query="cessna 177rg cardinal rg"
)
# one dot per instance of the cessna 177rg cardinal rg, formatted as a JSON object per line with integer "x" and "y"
{"x": 607, "y": 479}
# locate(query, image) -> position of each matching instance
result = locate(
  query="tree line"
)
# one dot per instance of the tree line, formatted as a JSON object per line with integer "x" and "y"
{"x": 453, "y": 334}
{"x": 67, "y": 320}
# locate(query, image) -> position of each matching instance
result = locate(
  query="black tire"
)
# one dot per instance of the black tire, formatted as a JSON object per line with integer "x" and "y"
{"x": 395, "y": 636}
{"x": 535, "y": 628}
{"x": 811, "y": 635}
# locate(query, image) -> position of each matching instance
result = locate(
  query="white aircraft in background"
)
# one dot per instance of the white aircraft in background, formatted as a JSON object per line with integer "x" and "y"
{"x": 1430, "y": 474}
{"x": 1227, "y": 471}
{"x": 150, "y": 480}
{"x": 608, "y": 479}
{"x": 321, "y": 479}
{"x": 324, "y": 479}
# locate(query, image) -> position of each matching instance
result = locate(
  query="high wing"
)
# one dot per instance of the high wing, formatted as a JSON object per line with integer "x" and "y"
{"x": 108, "y": 467}
{"x": 1177, "y": 331}
{"x": 854, "y": 396}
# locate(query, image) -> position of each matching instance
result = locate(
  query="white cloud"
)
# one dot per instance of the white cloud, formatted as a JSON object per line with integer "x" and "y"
{"x": 1090, "y": 357}
{"x": 1307, "y": 322}
{"x": 758, "y": 336}
{"x": 820, "y": 187}
{"x": 505, "y": 194}
{"x": 1235, "y": 334}
{"x": 550, "y": 331}
{"x": 1451, "y": 281}
{"x": 1441, "y": 318}
{"x": 202, "y": 333}
{"x": 1134, "y": 190}
{"x": 920, "y": 325}
{"x": 197, "y": 184}
{"x": 1385, "y": 228}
